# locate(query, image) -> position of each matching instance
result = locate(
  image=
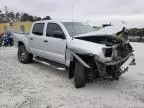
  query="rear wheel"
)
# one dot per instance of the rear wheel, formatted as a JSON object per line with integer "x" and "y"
{"x": 79, "y": 75}
{"x": 23, "y": 55}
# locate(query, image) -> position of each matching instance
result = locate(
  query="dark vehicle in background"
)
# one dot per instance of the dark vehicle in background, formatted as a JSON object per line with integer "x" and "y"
{"x": 10, "y": 38}
{"x": 6, "y": 39}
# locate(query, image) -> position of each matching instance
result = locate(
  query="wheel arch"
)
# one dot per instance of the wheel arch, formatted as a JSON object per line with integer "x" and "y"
{"x": 22, "y": 43}
{"x": 81, "y": 58}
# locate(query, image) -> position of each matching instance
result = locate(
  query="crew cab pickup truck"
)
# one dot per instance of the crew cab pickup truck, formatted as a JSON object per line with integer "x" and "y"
{"x": 84, "y": 52}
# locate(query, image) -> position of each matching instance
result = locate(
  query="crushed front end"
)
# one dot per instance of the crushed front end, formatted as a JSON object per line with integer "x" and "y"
{"x": 103, "y": 54}
{"x": 116, "y": 60}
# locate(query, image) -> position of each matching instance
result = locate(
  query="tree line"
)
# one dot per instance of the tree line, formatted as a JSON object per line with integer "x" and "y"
{"x": 132, "y": 32}
{"x": 17, "y": 16}
{"x": 136, "y": 32}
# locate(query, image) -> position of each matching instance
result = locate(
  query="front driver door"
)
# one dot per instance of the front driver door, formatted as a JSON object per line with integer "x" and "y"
{"x": 56, "y": 46}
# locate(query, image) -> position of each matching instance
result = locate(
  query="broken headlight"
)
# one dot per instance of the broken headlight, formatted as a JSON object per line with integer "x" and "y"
{"x": 107, "y": 52}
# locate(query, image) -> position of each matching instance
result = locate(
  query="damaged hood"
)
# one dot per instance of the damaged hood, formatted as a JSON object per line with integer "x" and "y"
{"x": 110, "y": 30}
{"x": 108, "y": 36}
{"x": 92, "y": 43}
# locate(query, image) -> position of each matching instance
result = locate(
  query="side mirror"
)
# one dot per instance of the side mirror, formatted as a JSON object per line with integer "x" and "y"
{"x": 59, "y": 34}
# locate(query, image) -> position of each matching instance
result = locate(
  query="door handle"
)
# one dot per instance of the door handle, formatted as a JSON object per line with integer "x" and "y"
{"x": 45, "y": 41}
{"x": 31, "y": 38}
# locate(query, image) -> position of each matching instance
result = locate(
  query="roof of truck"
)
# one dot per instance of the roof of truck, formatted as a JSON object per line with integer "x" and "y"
{"x": 58, "y": 21}
{"x": 47, "y": 21}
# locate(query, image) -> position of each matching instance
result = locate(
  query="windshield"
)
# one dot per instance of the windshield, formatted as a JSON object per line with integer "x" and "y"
{"x": 77, "y": 28}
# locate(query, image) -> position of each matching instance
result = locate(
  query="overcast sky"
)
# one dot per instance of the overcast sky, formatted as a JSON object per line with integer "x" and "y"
{"x": 93, "y": 11}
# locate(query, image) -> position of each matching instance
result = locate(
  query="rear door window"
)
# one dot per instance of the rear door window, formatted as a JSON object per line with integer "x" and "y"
{"x": 38, "y": 29}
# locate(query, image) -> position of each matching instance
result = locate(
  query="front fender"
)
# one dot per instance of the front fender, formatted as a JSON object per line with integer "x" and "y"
{"x": 70, "y": 55}
{"x": 79, "y": 59}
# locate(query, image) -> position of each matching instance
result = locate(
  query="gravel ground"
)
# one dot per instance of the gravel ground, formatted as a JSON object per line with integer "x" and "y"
{"x": 39, "y": 86}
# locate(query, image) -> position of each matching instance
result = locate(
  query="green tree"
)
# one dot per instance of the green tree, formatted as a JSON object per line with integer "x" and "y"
{"x": 17, "y": 16}
{"x": 24, "y": 17}
{"x": 30, "y": 18}
{"x": 11, "y": 15}
{"x": 47, "y": 18}
{"x": 1, "y": 17}
{"x": 136, "y": 32}
{"x": 36, "y": 18}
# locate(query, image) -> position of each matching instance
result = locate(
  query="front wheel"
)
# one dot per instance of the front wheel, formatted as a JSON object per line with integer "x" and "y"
{"x": 79, "y": 75}
{"x": 23, "y": 55}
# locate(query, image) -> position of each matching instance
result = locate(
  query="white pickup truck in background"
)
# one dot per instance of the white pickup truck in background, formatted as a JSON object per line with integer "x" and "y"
{"x": 86, "y": 53}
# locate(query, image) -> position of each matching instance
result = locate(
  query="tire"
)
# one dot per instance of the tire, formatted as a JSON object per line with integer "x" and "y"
{"x": 79, "y": 75}
{"x": 24, "y": 56}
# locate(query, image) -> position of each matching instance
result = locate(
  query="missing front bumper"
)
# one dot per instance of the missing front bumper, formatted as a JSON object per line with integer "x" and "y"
{"x": 129, "y": 62}
{"x": 115, "y": 62}
{"x": 116, "y": 67}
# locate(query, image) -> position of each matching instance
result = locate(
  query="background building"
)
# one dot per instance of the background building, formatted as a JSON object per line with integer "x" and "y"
{"x": 16, "y": 27}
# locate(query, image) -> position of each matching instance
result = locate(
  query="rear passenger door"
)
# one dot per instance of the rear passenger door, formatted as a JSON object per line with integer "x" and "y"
{"x": 56, "y": 46}
{"x": 36, "y": 39}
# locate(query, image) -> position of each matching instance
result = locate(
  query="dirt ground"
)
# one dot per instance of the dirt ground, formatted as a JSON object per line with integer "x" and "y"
{"x": 40, "y": 86}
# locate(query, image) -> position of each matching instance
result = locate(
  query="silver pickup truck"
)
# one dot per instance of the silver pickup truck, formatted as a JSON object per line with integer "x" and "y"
{"x": 86, "y": 53}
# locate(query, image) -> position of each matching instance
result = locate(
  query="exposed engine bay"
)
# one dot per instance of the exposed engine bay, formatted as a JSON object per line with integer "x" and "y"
{"x": 107, "y": 40}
